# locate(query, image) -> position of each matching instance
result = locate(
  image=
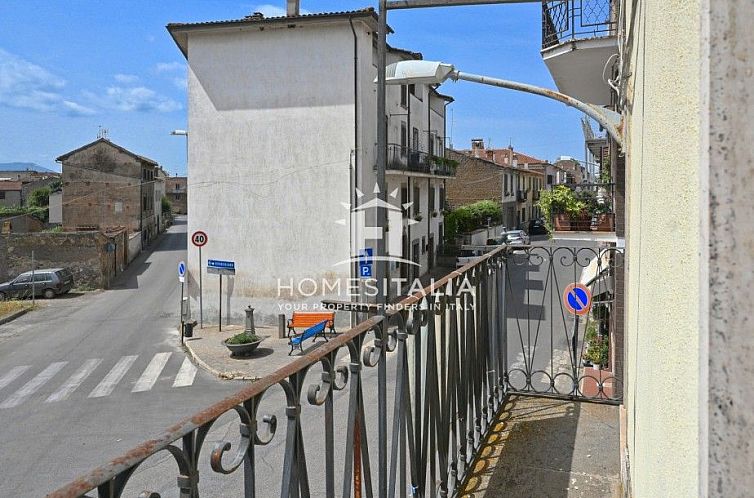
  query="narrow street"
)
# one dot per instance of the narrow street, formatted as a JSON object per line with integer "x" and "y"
{"x": 87, "y": 377}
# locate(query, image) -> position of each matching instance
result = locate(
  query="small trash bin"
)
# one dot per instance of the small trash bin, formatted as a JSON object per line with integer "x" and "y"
{"x": 188, "y": 329}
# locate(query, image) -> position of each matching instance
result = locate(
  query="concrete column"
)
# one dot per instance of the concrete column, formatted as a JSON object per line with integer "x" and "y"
{"x": 727, "y": 349}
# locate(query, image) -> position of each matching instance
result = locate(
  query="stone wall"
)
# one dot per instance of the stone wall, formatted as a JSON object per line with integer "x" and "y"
{"x": 476, "y": 180}
{"x": 84, "y": 253}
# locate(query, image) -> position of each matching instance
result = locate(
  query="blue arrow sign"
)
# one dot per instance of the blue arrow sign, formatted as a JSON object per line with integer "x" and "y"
{"x": 225, "y": 265}
{"x": 181, "y": 269}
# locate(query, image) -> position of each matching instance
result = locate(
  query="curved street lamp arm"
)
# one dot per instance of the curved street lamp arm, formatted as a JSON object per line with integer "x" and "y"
{"x": 611, "y": 121}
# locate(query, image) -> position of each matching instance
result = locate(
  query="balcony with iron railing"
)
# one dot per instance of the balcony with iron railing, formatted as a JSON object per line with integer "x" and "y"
{"x": 521, "y": 195}
{"x": 578, "y": 40}
{"x": 414, "y": 401}
{"x": 407, "y": 160}
{"x": 597, "y": 209}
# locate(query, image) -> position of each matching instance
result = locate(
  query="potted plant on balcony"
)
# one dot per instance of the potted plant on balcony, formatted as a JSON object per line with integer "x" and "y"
{"x": 559, "y": 206}
{"x": 604, "y": 218}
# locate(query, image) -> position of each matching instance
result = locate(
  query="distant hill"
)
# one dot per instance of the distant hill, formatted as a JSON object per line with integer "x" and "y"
{"x": 24, "y": 167}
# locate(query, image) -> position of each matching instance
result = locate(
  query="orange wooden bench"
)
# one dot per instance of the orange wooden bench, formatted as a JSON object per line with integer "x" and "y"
{"x": 306, "y": 319}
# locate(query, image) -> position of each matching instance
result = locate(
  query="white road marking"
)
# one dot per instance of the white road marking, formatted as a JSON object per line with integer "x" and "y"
{"x": 112, "y": 378}
{"x": 33, "y": 385}
{"x": 75, "y": 380}
{"x": 186, "y": 374}
{"x": 13, "y": 374}
{"x": 151, "y": 373}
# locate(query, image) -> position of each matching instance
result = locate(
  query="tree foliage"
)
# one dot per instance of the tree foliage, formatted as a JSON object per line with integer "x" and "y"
{"x": 40, "y": 197}
{"x": 471, "y": 217}
{"x": 167, "y": 206}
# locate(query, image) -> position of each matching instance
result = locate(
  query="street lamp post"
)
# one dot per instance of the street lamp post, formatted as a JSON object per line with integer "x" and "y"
{"x": 435, "y": 73}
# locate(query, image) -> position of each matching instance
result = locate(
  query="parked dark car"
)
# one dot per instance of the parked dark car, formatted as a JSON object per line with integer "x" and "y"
{"x": 48, "y": 283}
{"x": 537, "y": 227}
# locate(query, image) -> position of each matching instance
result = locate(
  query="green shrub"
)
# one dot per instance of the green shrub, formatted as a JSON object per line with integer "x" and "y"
{"x": 167, "y": 206}
{"x": 40, "y": 197}
{"x": 598, "y": 350}
{"x": 561, "y": 199}
{"x": 470, "y": 217}
{"x": 242, "y": 338}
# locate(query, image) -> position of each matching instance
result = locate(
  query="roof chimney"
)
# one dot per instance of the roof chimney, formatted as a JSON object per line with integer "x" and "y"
{"x": 293, "y": 8}
{"x": 477, "y": 143}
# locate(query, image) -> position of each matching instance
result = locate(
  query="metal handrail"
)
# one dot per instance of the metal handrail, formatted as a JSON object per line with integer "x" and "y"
{"x": 111, "y": 478}
{"x": 568, "y": 20}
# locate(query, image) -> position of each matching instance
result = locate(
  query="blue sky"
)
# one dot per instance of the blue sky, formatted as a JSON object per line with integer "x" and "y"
{"x": 68, "y": 67}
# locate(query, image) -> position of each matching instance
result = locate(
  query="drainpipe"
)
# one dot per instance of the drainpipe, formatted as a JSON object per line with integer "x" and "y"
{"x": 141, "y": 205}
{"x": 354, "y": 162}
{"x": 429, "y": 180}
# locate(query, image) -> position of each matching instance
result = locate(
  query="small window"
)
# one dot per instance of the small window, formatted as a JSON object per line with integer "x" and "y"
{"x": 404, "y": 96}
{"x": 2, "y": 194}
{"x": 43, "y": 277}
{"x": 415, "y": 200}
{"x": 424, "y": 244}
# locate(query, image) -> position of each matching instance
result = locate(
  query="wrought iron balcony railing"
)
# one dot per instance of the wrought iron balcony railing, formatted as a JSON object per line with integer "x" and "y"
{"x": 521, "y": 195}
{"x": 409, "y": 160}
{"x": 449, "y": 374}
{"x": 567, "y": 20}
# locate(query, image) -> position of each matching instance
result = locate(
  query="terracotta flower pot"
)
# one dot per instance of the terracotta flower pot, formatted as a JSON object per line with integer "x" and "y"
{"x": 605, "y": 223}
{"x": 581, "y": 223}
{"x": 562, "y": 222}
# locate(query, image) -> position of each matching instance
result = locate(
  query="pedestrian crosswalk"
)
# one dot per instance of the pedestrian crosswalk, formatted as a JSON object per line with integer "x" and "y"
{"x": 62, "y": 380}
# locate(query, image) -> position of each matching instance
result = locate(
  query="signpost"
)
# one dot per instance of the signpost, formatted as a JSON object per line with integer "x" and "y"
{"x": 199, "y": 238}
{"x": 182, "y": 279}
{"x": 577, "y": 299}
{"x": 219, "y": 267}
{"x": 365, "y": 263}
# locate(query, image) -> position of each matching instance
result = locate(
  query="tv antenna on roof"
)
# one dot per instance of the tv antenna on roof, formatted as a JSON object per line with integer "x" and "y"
{"x": 102, "y": 133}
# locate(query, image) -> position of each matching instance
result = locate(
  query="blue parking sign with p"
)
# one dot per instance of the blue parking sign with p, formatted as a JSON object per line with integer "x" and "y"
{"x": 365, "y": 262}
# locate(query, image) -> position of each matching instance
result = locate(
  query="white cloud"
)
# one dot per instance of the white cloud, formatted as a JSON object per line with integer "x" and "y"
{"x": 181, "y": 83}
{"x": 138, "y": 98}
{"x": 270, "y": 10}
{"x": 25, "y": 85}
{"x": 126, "y": 78}
{"x": 167, "y": 67}
{"x": 74, "y": 109}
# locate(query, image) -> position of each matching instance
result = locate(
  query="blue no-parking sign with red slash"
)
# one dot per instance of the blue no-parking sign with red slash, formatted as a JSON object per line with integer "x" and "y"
{"x": 577, "y": 299}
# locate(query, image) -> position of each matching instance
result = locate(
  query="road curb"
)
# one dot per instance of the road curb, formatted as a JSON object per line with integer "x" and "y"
{"x": 205, "y": 366}
{"x": 13, "y": 316}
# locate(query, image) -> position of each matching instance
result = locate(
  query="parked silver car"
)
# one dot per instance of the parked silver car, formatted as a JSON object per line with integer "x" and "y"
{"x": 517, "y": 234}
{"x": 48, "y": 283}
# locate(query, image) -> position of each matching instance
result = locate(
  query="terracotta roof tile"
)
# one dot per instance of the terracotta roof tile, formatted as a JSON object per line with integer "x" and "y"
{"x": 10, "y": 186}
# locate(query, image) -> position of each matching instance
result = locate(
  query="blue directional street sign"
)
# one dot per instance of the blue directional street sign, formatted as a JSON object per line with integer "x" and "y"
{"x": 365, "y": 262}
{"x": 181, "y": 271}
{"x": 221, "y": 267}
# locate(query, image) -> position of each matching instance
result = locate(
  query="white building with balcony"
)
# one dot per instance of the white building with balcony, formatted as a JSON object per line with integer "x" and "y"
{"x": 282, "y": 146}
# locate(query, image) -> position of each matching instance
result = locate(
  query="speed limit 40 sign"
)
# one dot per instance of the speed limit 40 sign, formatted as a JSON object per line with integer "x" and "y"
{"x": 199, "y": 238}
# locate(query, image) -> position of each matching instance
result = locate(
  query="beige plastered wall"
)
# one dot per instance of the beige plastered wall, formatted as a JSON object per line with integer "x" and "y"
{"x": 663, "y": 242}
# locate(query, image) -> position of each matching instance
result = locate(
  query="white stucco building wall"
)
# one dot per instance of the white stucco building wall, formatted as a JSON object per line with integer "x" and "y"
{"x": 282, "y": 132}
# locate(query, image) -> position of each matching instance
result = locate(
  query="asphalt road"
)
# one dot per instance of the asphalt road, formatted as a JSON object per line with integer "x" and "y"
{"x": 87, "y": 377}
{"x": 539, "y": 328}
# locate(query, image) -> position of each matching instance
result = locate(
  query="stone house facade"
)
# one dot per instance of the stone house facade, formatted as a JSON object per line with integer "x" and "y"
{"x": 10, "y": 194}
{"x": 107, "y": 186}
{"x": 176, "y": 189}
